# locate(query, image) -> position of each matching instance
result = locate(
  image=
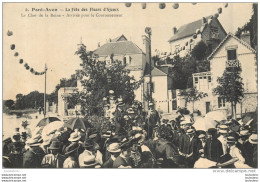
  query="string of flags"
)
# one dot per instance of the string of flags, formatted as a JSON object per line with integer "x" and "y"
{"x": 168, "y": 100}
{"x": 196, "y": 33}
{"x": 21, "y": 61}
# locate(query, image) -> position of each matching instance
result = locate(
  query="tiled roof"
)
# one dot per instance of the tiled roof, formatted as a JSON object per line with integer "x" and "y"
{"x": 120, "y": 38}
{"x": 118, "y": 48}
{"x": 157, "y": 72}
{"x": 224, "y": 40}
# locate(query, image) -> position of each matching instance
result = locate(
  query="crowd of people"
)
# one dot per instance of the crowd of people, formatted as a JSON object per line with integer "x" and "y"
{"x": 135, "y": 139}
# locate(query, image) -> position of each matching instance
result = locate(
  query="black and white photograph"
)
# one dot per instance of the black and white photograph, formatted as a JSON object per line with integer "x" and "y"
{"x": 130, "y": 85}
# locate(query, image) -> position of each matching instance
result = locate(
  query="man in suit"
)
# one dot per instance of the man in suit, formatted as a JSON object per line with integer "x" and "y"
{"x": 191, "y": 147}
{"x": 54, "y": 159}
{"x": 213, "y": 147}
{"x": 122, "y": 160}
{"x": 114, "y": 150}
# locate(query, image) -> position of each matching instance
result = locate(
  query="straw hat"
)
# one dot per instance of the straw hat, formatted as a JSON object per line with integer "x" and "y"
{"x": 190, "y": 131}
{"x": 201, "y": 136}
{"x": 34, "y": 141}
{"x": 231, "y": 139}
{"x": 89, "y": 160}
{"x": 253, "y": 139}
{"x": 151, "y": 104}
{"x": 75, "y": 136}
{"x": 114, "y": 148}
{"x": 244, "y": 133}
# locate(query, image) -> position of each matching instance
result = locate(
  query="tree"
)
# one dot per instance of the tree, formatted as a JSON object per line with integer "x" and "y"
{"x": 192, "y": 95}
{"x": 9, "y": 104}
{"x": 231, "y": 88}
{"x": 252, "y": 27}
{"x": 98, "y": 77}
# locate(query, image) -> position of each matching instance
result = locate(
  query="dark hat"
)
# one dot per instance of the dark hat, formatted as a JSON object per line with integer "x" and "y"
{"x": 212, "y": 131}
{"x": 89, "y": 144}
{"x": 54, "y": 145}
{"x": 71, "y": 148}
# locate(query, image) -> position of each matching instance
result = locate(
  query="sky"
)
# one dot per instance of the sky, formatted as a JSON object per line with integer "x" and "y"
{"x": 54, "y": 40}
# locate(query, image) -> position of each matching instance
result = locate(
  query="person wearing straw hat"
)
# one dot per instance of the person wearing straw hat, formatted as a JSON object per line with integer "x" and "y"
{"x": 122, "y": 160}
{"x": 89, "y": 161}
{"x": 71, "y": 152}
{"x": 191, "y": 148}
{"x": 90, "y": 148}
{"x": 252, "y": 151}
{"x": 152, "y": 118}
{"x": 115, "y": 150}
{"x": 32, "y": 158}
{"x": 25, "y": 129}
{"x": 213, "y": 147}
{"x": 54, "y": 159}
{"x": 223, "y": 132}
{"x": 235, "y": 153}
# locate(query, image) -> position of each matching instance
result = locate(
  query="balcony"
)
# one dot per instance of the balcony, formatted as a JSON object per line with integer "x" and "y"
{"x": 233, "y": 65}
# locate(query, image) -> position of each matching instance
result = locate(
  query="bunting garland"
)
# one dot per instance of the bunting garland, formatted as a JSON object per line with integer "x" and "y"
{"x": 21, "y": 61}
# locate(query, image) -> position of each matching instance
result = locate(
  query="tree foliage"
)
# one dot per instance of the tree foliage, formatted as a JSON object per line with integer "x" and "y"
{"x": 230, "y": 87}
{"x": 97, "y": 78}
{"x": 9, "y": 104}
{"x": 251, "y": 26}
{"x": 32, "y": 100}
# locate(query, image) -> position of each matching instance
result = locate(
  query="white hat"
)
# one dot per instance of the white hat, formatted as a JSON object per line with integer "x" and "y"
{"x": 89, "y": 160}
{"x": 75, "y": 136}
{"x": 253, "y": 139}
{"x": 114, "y": 148}
{"x": 223, "y": 131}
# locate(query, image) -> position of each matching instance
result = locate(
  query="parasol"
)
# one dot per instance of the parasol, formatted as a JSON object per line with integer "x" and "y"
{"x": 204, "y": 124}
{"x": 47, "y": 120}
{"x": 52, "y": 128}
{"x": 216, "y": 115}
{"x": 75, "y": 123}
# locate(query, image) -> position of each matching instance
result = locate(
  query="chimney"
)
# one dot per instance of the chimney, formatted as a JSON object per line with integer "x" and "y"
{"x": 174, "y": 29}
{"x": 245, "y": 36}
{"x": 147, "y": 43}
{"x": 204, "y": 20}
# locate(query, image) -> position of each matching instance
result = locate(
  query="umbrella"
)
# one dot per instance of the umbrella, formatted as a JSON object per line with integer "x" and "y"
{"x": 249, "y": 117}
{"x": 52, "y": 128}
{"x": 216, "y": 115}
{"x": 75, "y": 123}
{"x": 202, "y": 123}
{"x": 47, "y": 120}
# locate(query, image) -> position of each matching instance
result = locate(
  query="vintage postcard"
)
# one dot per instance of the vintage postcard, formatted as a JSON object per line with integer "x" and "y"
{"x": 130, "y": 85}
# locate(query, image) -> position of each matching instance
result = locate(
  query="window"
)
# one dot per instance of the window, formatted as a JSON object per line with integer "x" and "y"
{"x": 214, "y": 32}
{"x": 232, "y": 54}
{"x": 124, "y": 61}
{"x": 221, "y": 102}
{"x": 209, "y": 79}
{"x": 196, "y": 80}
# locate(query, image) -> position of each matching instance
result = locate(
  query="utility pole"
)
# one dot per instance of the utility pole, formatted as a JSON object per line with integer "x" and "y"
{"x": 148, "y": 30}
{"x": 45, "y": 77}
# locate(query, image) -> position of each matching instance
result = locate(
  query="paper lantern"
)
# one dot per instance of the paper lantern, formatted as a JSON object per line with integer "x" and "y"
{"x": 36, "y": 73}
{"x": 191, "y": 40}
{"x": 162, "y": 5}
{"x": 9, "y": 33}
{"x": 216, "y": 15}
{"x": 198, "y": 31}
{"x": 12, "y": 47}
{"x": 32, "y": 70}
{"x": 219, "y": 10}
{"x": 187, "y": 43}
{"x": 194, "y": 36}
{"x": 16, "y": 54}
{"x": 21, "y": 61}
{"x": 226, "y": 5}
{"x": 183, "y": 47}
{"x": 193, "y": 3}
{"x": 143, "y": 5}
{"x": 27, "y": 67}
{"x": 128, "y": 4}
{"x": 175, "y": 5}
